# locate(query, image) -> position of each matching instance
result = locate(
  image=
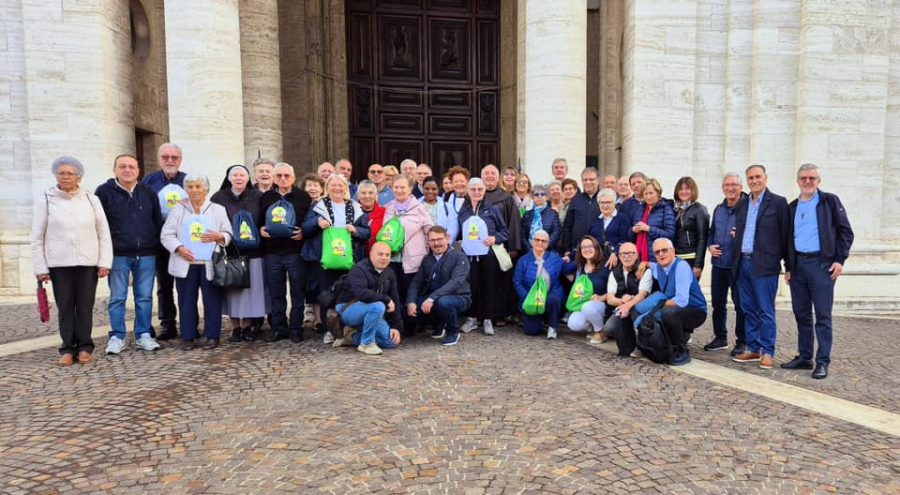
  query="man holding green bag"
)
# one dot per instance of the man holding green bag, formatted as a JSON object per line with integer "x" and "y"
{"x": 537, "y": 284}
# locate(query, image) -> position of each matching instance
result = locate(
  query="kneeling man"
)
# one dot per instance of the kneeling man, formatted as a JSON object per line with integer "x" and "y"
{"x": 439, "y": 292}
{"x": 369, "y": 301}
{"x": 684, "y": 308}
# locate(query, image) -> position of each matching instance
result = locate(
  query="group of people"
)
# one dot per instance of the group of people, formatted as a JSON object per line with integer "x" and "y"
{"x": 369, "y": 263}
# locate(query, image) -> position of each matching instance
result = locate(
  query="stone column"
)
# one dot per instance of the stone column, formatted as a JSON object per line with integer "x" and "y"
{"x": 552, "y": 81}
{"x": 205, "y": 84}
{"x": 261, "y": 79}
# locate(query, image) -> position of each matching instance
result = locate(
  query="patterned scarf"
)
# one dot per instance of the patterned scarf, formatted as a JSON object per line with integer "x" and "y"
{"x": 537, "y": 223}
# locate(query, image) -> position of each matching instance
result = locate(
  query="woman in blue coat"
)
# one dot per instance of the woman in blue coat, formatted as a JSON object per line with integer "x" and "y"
{"x": 654, "y": 221}
{"x": 540, "y": 217}
{"x": 540, "y": 261}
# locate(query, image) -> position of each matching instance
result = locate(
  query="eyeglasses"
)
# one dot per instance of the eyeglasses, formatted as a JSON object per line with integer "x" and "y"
{"x": 661, "y": 251}
{"x": 376, "y": 171}
{"x": 628, "y": 253}
{"x": 540, "y": 240}
{"x": 166, "y": 158}
{"x": 607, "y": 202}
{"x": 540, "y": 195}
{"x": 808, "y": 179}
{"x": 283, "y": 176}
{"x": 436, "y": 239}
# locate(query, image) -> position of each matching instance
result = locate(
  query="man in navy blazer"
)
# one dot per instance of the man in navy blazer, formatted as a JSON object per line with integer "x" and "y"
{"x": 821, "y": 242}
{"x": 763, "y": 236}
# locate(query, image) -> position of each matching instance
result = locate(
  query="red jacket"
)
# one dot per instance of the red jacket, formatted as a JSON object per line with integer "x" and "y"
{"x": 376, "y": 220}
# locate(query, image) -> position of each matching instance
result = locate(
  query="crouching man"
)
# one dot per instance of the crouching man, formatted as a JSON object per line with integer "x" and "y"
{"x": 439, "y": 293}
{"x": 368, "y": 303}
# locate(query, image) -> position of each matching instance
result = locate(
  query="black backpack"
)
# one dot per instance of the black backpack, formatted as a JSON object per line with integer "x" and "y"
{"x": 653, "y": 341}
{"x": 328, "y": 297}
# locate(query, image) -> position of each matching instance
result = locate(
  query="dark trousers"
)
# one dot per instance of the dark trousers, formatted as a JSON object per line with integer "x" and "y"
{"x": 166, "y": 310}
{"x": 621, "y": 329}
{"x": 74, "y": 289}
{"x": 403, "y": 280}
{"x": 679, "y": 323}
{"x": 282, "y": 269}
{"x": 722, "y": 282}
{"x": 189, "y": 290}
{"x": 484, "y": 277}
{"x": 534, "y": 325}
{"x": 446, "y": 311}
{"x": 812, "y": 288}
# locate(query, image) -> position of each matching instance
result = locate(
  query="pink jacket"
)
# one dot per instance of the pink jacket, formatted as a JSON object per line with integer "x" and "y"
{"x": 416, "y": 222}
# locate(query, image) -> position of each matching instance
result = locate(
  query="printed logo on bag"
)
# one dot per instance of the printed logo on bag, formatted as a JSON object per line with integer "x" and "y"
{"x": 539, "y": 300}
{"x": 245, "y": 232}
{"x": 339, "y": 247}
{"x": 278, "y": 214}
{"x": 473, "y": 232}
{"x": 579, "y": 290}
{"x": 387, "y": 233}
{"x": 172, "y": 199}
{"x": 197, "y": 230}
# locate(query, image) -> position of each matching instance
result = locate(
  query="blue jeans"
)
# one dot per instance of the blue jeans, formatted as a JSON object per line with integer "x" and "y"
{"x": 281, "y": 269}
{"x": 189, "y": 288}
{"x": 722, "y": 282}
{"x": 812, "y": 287}
{"x": 369, "y": 319}
{"x": 757, "y": 295}
{"x": 143, "y": 268}
{"x": 445, "y": 312}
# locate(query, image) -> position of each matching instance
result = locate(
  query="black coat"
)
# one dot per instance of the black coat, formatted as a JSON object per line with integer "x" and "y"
{"x": 454, "y": 272}
{"x": 583, "y": 209}
{"x": 691, "y": 232}
{"x": 301, "y": 201}
{"x": 363, "y": 285}
{"x": 134, "y": 219}
{"x": 773, "y": 235}
{"x": 835, "y": 233}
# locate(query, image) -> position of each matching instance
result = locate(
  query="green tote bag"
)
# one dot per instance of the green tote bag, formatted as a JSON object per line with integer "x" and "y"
{"x": 393, "y": 234}
{"x": 581, "y": 293}
{"x": 337, "y": 249}
{"x": 536, "y": 300}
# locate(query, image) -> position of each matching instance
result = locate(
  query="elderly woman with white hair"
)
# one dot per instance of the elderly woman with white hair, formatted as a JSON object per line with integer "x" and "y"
{"x": 544, "y": 263}
{"x": 71, "y": 247}
{"x": 540, "y": 217}
{"x": 190, "y": 232}
{"x": 482, "y": 227}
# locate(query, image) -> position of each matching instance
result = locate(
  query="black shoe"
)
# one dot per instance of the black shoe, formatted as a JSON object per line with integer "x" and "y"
{"x": 211, "y": 344}
{"x": 237, "y": 335}
{"x": 798, "y": 363}
{"x": 187, "y": 345}
{"x": 275, "y": 337}
{"x": 717, "y": 344}
{"x": 249, "y": 334}
{"x": 738, "y": 350}
{"x": 297, "y": 338}
{"x": 681, "y": 359}
{"x": 821, "y": 371}
{"x": 319, "y": 328}
{"x": 438, "y": 333}
{"x": 167, "y": 334}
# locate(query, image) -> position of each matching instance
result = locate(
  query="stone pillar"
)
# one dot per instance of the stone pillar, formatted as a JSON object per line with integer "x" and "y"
{"x": 552, "y": 81}
{"x": 610, "y": 89}
{"x": 261, "y": 79}
{"x": 205, "y": 84}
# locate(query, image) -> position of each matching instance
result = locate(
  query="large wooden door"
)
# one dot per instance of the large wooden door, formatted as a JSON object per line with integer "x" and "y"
{"x": 423, "y": 82}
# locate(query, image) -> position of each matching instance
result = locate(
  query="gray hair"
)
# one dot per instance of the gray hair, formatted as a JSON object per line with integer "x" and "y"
{"x": 203, "y": 179}
{"x": 606, "y": 193}
{"x": 729, "y": 175}
{"x": 408, "y": 160}
{"x": 169, "y": 145}
{"x": 560, "y": 160}
{"x": 590, "y": 170}
{"x": 475, "y": 181}
{"x": 756, "y": 165}
{"x": 809, "y": 166}
{"x": 67, "y": 160}
{"x": 665, "y": 241}
{"x": 262, "y": 161}
{"x": 366, "y": 184}
{"x": 283, "y": 165}
{"x": 539, "y": 188}
{"x": 541, "y": 232}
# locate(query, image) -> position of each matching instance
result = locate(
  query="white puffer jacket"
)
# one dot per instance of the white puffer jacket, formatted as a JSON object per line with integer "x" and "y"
{"x": 69, "y": 229}
{"x": 170, "y": 237}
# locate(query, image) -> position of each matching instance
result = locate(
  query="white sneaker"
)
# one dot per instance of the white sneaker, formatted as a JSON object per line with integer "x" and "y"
{"x": 469, "y": 325}
{"x": 369, "y": 349}
{"x": 488, "y": 327}
{"x": 145, "y": 343}
{"x": 115, "y": 345}
{"x": 328, "y": 338}
{"x": 551, "y": 333}
{"x": 636, "y": 353}
{"x": 347, "y": 339}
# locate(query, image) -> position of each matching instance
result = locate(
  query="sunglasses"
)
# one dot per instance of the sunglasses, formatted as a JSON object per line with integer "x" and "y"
{"x": 540, "y": 240}
{"x": 661, "y": 251}
{"x": 376, "y": 171}
{"x": 540, "y": 195}
{"x": 171, "y": 157}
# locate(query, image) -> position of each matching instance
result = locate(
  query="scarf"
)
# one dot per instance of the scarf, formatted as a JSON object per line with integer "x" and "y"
{"x": 643, "y": 239}
{"x": 681, "y": 208}
{"x": 404, "y": 207}
{"x": 537, "y": 223}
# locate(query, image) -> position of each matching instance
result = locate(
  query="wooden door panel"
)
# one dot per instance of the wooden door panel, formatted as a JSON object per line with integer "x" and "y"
{"x": 446, "y": 154}
{"x": 393, "y": 151}
{"x": 450, "y": 57}
{"x": 400, "y": 48}
{"x": 405, "y": 124}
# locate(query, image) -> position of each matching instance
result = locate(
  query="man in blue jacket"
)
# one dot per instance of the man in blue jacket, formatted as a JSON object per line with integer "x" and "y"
{"x": 763, "y": 231}
{"x": 134, "y": 218}
{"x": 439, "y": 293}
{"x": 822, "y": 237}
{"x": 582, "y": 211}
{"x": 170, "y": 157}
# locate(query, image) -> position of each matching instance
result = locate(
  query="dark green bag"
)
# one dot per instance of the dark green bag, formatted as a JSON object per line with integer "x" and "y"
{"x": 582, "y": 292}
{"x": 337, "y": 249}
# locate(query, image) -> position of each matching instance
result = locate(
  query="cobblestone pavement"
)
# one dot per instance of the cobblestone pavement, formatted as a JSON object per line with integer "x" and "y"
{"x": 492, "y": 415}
{"x": 21, "y": 321}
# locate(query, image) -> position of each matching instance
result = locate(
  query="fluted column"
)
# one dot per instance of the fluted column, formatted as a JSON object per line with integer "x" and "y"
{"x": 261, "y": 79}
{"x": 203, "y": 54}
{"x": 552, "y": 76}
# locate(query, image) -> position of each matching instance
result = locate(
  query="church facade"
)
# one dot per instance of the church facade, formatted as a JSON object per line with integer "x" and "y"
{"x": 668, "y": 87}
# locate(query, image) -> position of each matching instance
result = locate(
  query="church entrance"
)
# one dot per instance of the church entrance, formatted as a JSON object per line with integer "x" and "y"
{"x": 424, "y": 79}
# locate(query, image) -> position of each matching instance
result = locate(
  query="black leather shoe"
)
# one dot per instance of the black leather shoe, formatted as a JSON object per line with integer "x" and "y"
{"x": 211, "y": 344}
{"x": 274, "y": 337}
{"x": 738, "y": 350}
{"x": 249, "y": 334}
{"x": 187, "y": 345}
{"x": 297, "y": 338}
{"x": 237, "y": 335}
{"x": 821, "y": 371}
{"x": 167, "y": 334}
{"x": 798, "y": 363}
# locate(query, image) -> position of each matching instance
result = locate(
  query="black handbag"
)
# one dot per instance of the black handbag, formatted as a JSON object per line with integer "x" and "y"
{"x": 230, "y": 271}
